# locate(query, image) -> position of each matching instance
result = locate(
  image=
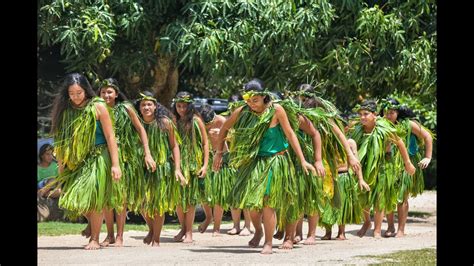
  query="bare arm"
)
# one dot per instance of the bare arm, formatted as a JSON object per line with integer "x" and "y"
{"x": 309, "y": 129}
{"x": 403, "y": 151}
{"x": 423, "y": 134}
{"x": 292, "y": 139}
{"x": 362, "y": 184}
{"x": 175, "y": 151}
{"x": 109, "y": 134}
{"x": 150, "y": 163}
{"x": 353, "y": 161}
{"x": 205, "y": 147}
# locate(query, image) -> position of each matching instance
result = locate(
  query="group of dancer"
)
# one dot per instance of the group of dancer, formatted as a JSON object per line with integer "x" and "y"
{"x": 274, "y": 159}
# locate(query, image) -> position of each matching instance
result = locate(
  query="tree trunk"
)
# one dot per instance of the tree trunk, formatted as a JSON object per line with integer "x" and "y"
{"x": 166, "y": 77}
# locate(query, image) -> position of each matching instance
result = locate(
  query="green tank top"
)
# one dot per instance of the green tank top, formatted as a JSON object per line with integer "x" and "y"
{"x": 413, "y": 145}
{"x": 273, "y": 141}
{"x": 99, "y": 134}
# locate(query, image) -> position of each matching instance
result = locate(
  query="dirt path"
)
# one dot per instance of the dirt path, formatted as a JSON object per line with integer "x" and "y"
{"x": 233, "y": 250}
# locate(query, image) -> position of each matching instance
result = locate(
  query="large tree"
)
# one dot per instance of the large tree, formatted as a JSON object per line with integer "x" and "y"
{"x": 349, "y": 49}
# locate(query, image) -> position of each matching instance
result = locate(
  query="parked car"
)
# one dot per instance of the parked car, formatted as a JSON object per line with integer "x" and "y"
{"x": 218, "y": 105}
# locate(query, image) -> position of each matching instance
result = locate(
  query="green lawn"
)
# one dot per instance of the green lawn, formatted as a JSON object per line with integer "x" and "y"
{"x": 63, "y": 228}
{"x": 425, "y": 256}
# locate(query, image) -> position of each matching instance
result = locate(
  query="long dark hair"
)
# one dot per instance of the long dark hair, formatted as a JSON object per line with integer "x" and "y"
{"x": 111, "y": 82}
{"x": 160, "y": 112}
{"x": 185, "y": 122}
{"x": 403, "y": 110}
{"x": 207, "y": 113}
{"x": 310, "y": 102}
{"x": 257, "y": 85}
{"x": 62, "y": 99}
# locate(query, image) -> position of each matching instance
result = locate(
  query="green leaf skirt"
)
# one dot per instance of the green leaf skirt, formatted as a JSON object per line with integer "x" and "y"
{"x": 347, "y": 190}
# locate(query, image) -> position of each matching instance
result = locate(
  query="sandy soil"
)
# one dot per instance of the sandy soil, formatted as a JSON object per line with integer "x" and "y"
{"x": 233, "y": 250}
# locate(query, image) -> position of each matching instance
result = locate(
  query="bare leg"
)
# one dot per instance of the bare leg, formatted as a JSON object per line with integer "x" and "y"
{"x": 378, "y": 218}
{"x": 87, "y": 231}
{"x": 157, "y": 225}
{"x": 188, "y": 221}
{"x": 120, "y": 217}
{"x": 109, "y": 222}
{"x": 149, "y": 222}
{"x": 181, "y": 218}
{"x": 257, "y": 224}
{"x": 279, "y": 234}
{"x": 208, "y": 211}
{"x": 341, "y": 234}
{"x": 312, "y": 223}
{"x": 269, "y": 224}
{"x": 218, "y": 212}
{"x": 246, "y": 223}
{"x": 236, "y": 219}
{"x": 289, "y": 236}
{"x": 299, "y": 230}
{"x": 391, "y": 224}
{"x": 328, "y": 234}
{"x": 402, "y": 218}
{"x": 367, "y": 224}
{"x": 96, "y": 222}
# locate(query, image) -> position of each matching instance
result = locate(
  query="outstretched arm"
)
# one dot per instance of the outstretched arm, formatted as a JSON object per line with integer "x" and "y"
{"x": 150, "y": 163}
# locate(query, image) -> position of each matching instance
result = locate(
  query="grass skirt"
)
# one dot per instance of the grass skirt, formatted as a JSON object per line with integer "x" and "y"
{"x": 219, "y": 184}
{"x": 275, "y": 174}
{"x": 90, "y": 187}
{"x": 351, "y": 211}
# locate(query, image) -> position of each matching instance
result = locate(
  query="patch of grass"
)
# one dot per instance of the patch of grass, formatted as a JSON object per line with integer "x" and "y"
{"x": 62, "y": 228}
{"x": 425, "y": 256}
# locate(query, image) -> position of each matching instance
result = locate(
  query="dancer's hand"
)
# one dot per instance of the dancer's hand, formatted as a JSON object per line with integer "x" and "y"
{"x": 217, "y": 162}
{"x": 180, "y": 177}
{"x": 202, "y": 172}
{"x": 410, "y": 168}
{"x": 116, "y": 173}
{"x": 424, "y": 163}
{"x": 354, "y": 163}
{"x": 320, "y": 170}
{"x": 363, "y": 185}
{"x": 150, "y": 163}
{"x": 308, "y": 167}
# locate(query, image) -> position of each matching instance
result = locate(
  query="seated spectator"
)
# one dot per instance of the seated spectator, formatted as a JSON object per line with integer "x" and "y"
{"x": 47, "y": 171}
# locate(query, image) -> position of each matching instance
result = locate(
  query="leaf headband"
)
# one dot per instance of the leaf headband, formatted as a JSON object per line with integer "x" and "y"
{"x": 368, "y": 107}
{"x": 183, "y": 99}
{"x": 147, "y": 98}
{"x": 249, "y": 94}
{"x": 105, "y": 83}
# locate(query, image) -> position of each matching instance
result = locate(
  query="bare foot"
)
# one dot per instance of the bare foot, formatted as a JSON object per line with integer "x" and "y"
{"x": 287, "y": 244}
{"x": 188, "y": 239}
{"x": 310, "y": 240}
{"x": 366, "y": 226}
{"x": 203, "y": 227}
{"x": 267, "y": 249}
{"x": 279, "y": 235}
{"x": 390, "y": 232}
{"x": 118, "y": 241}
{"x": 107, "y": 241}
{"x": 341, "y": 237}
{"x": 216, "y": 233}
{"x": 233, "y": 231}
{"x": 400, "y": 234}
{"x": 255, "y": 241}
{"x": 87, "y": 231}
{"x": 377, "y": 234}
{"x": 93, "y": 244}
{"x": 297, "y": 239}
{"x": 148, "y": 237}
{"x": 245, "y": 232}
{"x": 155, "y": 243}
{"x": 179, "y": 236}
{"x": 327, "y": 236}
